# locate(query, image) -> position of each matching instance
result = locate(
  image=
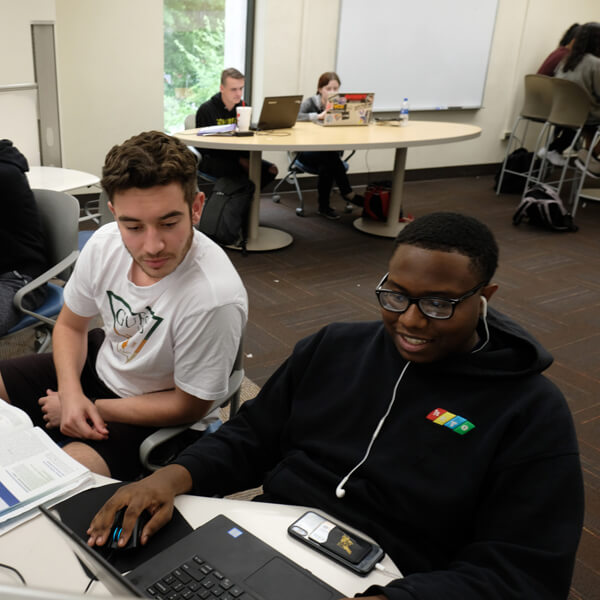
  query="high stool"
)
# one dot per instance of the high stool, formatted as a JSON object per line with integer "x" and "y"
{"x": 571, "y": 105}
{"x": 536, "y": 108}
{"x": 586, "y": 193}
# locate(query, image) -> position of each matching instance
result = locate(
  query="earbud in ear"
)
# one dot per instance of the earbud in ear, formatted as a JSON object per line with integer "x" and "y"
{"x": 483, "y": 306}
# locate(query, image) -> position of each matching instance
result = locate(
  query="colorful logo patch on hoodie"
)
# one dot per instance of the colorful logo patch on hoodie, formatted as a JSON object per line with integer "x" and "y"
{"x": 458, "y": 424}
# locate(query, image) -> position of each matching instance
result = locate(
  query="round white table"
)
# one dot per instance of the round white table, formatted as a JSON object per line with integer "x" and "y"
{"x": 310, "y": 136}
{"x": 59, "y": 179}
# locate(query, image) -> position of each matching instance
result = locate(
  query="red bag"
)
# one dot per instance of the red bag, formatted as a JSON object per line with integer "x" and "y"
{"x": 377, "y": 202}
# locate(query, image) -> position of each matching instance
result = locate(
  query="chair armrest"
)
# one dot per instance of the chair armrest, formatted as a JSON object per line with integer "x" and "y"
{"x": 155, "y": 439}
{"x": 41, "y": 280}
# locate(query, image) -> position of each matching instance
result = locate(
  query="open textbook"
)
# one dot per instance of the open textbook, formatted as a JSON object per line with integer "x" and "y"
{"x": 33, "y": 469}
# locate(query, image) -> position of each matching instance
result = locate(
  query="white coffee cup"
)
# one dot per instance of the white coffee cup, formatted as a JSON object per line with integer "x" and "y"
{"x": 243, "y": 114}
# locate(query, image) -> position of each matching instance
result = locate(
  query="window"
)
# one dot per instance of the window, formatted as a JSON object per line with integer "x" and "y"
{"x": 201, "y": 38}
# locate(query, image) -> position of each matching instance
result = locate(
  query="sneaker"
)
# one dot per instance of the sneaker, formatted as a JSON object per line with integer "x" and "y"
{"x": 556, "y": 158}
{"x": 541, "y": 153}
{"x": 356, "y": 199}
{"x": 582, "y": 155}
{"x": 593, "y": 167}
{"x": 328, "y": 213}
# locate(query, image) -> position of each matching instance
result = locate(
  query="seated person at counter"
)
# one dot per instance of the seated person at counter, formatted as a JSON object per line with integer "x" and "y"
{"x": 444, "y": 442}
{"x": 329, "y": 165}
{"x": 582, "y": 66}
{"x": 563, "y": 136}
{"x": 220, "y": 110}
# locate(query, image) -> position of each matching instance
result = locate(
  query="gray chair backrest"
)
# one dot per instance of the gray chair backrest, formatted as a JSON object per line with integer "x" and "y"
{"x": 571, "y": 104}
{"x": 190, "y": 122}
{"x": 59, "y": 215}
{"x": 105, "y": 215}
{"x": 538, "y": 97}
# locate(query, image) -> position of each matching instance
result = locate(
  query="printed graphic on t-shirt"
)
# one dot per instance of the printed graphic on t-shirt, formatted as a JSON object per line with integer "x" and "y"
{"x": 227, "y": 121}
{"x": 135, "y": 328}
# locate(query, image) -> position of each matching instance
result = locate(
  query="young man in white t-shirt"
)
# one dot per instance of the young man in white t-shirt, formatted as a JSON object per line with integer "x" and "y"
{"x": 173, "y": 309}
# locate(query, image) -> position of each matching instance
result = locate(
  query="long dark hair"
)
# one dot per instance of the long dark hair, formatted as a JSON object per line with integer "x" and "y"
{"x": 587, "y": 41}
{"x": 569, "y": 34}
{"x": 326, "y": 78}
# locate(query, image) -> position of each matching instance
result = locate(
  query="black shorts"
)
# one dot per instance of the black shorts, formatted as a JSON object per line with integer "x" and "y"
{"x": 26, "y": 380}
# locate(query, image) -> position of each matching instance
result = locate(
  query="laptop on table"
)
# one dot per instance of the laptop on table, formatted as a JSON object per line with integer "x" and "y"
{"x": 278, "y": 112}
{"x": 348, "y": 109}
{"x": 220, "y": 557}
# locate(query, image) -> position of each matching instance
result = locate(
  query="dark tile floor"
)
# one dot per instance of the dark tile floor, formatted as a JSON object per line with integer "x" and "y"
{"x": 549, "y": 282}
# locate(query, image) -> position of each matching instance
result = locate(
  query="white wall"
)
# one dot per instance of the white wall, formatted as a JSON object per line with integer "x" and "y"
{"x": 18, "y": 109}
{"x": 296, "y": 43}
{"x": 110, "y": 75}
{"x": 110, "y": 69}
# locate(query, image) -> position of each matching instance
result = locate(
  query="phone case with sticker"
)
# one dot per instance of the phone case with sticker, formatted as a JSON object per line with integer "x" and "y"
{"x": 332, "y": 540}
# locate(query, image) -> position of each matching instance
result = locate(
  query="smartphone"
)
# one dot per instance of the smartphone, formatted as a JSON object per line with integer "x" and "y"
{"x": 332, "y": 540}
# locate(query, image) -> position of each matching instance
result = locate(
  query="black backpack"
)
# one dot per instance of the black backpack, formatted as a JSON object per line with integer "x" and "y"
{"x": 542, "y": 207}
{"x": 225, "y": 213}
{"x": 519, "y": 160}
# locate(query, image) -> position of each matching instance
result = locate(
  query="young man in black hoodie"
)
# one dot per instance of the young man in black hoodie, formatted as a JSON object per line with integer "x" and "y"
{"x": 433, "y": 431}
{"x": 22, "y": 253}
{"x": 221, "y": 110}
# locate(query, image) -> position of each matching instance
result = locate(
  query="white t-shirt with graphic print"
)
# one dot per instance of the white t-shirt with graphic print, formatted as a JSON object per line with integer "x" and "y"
{"x": 183, "y": 330}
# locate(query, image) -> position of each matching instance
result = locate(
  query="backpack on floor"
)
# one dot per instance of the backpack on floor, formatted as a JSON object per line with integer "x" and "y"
{"x": 519, "y": 160}
{"x": 542, "y": 207}
{"x": 225, "y": 213}
{"x": 377, "y": 201}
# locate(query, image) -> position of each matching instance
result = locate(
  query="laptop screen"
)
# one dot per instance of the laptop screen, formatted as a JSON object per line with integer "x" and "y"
{"x": 278, "y": 112}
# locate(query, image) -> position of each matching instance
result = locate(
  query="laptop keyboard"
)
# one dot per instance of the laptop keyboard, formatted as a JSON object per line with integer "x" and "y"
{"x": 195, "y": 579}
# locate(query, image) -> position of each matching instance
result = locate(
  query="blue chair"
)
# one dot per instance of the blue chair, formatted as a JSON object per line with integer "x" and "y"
{"x": 59, "y": 215}
{"x": 83, "y": 237}
{"x": 296, "y": 167}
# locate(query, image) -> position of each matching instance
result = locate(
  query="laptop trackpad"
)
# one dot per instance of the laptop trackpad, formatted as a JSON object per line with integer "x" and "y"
{"x": 278, "y": 575}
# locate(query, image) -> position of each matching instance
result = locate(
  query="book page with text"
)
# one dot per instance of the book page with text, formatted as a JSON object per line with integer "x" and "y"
{"x": 34, "y": 469}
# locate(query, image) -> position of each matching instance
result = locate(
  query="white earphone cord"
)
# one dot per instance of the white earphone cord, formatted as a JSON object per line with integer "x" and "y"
{"x": 340, "y": 492}
{"x": 485, "y": 325}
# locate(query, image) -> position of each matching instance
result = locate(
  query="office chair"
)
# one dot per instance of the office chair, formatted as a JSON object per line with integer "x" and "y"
{"x": 162, "y": 446}
{"x": 295, "y": 168}
{"x": 59, "y": 215}
{"x": 190, "y": 123}
{"x": 536, "y": 108}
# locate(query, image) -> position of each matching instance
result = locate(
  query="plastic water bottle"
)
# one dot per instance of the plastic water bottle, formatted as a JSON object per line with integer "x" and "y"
{"x": 404, "y": 113}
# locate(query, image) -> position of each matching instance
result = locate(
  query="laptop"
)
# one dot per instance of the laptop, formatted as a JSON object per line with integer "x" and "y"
{"x": 219, "y": 556}
{"x": 348, "y": 109}
{"x": 278, "y": 112}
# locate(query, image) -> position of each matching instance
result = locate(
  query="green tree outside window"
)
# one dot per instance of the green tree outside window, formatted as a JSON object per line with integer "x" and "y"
{"x": 194, "y": 42}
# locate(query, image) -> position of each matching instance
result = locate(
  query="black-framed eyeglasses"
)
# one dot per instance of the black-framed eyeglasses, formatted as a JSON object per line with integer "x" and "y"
{"x": 430, "y": 306}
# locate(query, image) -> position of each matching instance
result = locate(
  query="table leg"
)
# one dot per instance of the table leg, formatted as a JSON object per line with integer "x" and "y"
{"x": 262, "y": 238}
{"x": 391, "y": 228}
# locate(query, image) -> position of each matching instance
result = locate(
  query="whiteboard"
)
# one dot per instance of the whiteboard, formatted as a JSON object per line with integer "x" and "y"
{"x": 433, "y": 52}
